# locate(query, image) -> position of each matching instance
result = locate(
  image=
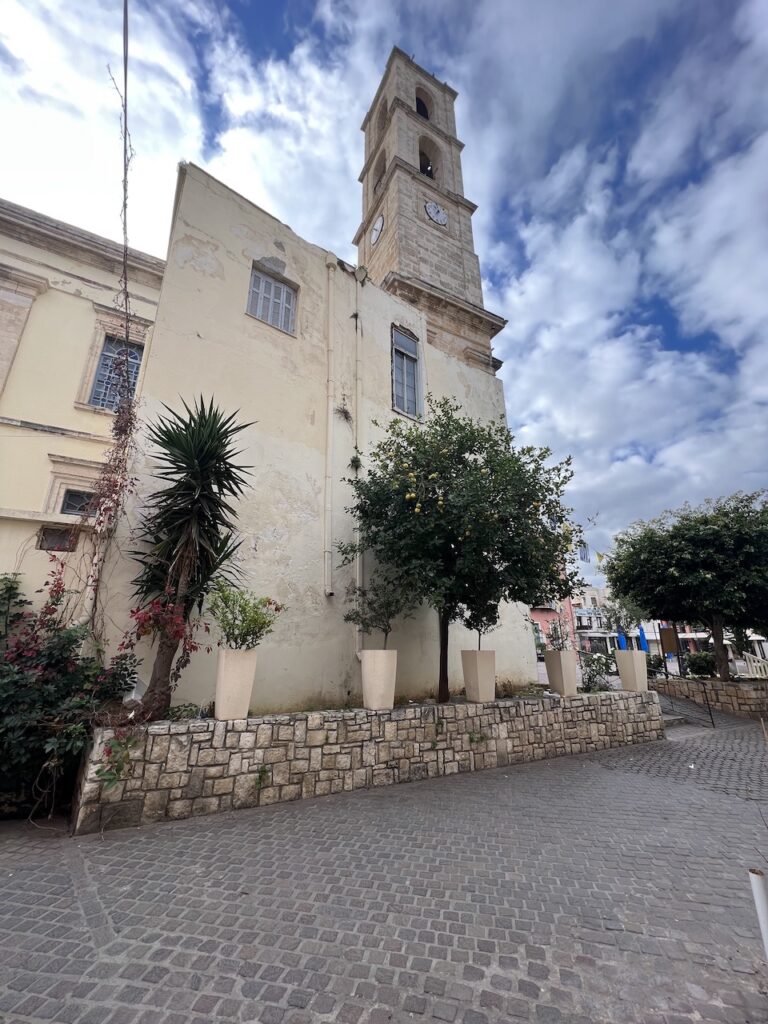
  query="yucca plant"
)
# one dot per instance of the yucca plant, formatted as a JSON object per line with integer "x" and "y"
{"x": 187, "y": 527}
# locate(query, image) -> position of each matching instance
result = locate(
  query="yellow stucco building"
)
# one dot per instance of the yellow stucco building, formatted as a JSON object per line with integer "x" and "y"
{"x": 307, "y": 348}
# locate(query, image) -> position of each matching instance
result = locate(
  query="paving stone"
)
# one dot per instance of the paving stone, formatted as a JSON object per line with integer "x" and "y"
{"x": 559, "y": 891}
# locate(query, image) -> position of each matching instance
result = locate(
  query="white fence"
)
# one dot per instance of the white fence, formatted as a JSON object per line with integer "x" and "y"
{"x": 756, "y": 667}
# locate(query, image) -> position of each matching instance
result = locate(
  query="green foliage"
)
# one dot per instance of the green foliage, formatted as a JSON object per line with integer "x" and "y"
{"x": 376, "y": 606}
{"x": 11, "y": 603}
{"x": 184, "y": 712}
{"x": 740, "y": 639}
{"x": 50, "y": 694}
{"x": 469, "y": 519}
{"x": 188, "y": 525}
{"x": 622, "y": 614}
{"x": 701, "y": 663}
{"x": 595, "y": 669}
{"x": 654, "y": 663}
{"x": 243, "y": 619}
{"x": 116, "y": 759}
{"x": 707, "y": 564}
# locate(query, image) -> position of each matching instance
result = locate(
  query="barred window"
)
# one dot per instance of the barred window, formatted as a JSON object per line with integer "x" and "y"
{"x": 272, "y": 301}
{"x": 117, "y": 373}
{"x": 77, "y": 503}
{"x": 57, "y": 538}
{"x": 405, "y": 374}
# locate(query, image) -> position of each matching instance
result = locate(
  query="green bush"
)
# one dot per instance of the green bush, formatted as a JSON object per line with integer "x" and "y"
{"x": 50, "y": 696}
{"x": 243, "y": 619}
{"x": 595, "y": 668}
{"x": 654, "y": 663}
{"x": 701, "y": 663}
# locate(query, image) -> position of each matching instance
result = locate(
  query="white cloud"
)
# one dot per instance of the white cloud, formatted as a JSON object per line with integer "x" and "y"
{"x": 576, "y": 236}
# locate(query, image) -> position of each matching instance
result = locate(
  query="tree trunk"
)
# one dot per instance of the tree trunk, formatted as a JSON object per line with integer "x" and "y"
{"x": 157, "y": 699}
{"x": 721, "y": 652}
{"x": 443, "y": 693}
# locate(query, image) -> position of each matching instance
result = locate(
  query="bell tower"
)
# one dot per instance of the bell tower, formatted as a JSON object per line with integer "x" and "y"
{"x": 415, "y": 238}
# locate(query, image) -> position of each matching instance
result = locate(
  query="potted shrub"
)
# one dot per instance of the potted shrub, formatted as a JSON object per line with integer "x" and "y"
{"x": 479, "y": 667}
{"x": 375, "y": 608}
{"x": 560, "y": 660}
{"x": 243, "y": 620}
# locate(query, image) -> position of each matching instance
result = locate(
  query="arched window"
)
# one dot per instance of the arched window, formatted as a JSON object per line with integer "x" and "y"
{"x": 381, "y": 120}
{"x": 423, "y": 103}
{"x": 378, "y": 173}
{"x": 429, "y": 158}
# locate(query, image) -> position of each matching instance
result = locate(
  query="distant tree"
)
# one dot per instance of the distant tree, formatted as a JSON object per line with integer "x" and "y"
{"x": 466, "y": 517}
{"x": 187, "y": 528}
{"x": 707, "y": 564}
{"x": 622, "y": 614}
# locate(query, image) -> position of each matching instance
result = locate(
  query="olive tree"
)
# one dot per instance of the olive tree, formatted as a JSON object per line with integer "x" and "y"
{"x": 467, "y": 517}
{"x": 707, "y": 564}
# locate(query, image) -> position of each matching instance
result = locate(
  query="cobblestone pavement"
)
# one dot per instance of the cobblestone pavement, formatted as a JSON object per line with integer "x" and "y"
{"x": 603, "y": 889}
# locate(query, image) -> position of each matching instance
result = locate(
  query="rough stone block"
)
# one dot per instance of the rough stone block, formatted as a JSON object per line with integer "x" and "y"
{"x": 155, "y": 805}
{"x": 205, "y": 805}
{"x": 245, "y": 791}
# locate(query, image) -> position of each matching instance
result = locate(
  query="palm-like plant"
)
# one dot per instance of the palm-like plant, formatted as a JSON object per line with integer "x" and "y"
{"x": 187, "y": 527}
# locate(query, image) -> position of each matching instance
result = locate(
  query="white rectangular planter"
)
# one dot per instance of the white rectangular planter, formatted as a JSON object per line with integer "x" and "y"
{"x": 234, "y": 683}
{"x": 379, "y": 675}
{"x": 479, "y": 675}
{"x": 561, "y": 671}
{"x": 633, "y": 670}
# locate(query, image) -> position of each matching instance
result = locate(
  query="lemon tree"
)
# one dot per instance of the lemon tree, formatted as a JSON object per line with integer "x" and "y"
{"x": 466, "y": 517}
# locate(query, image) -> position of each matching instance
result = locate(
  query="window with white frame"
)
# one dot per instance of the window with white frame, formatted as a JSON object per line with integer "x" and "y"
{"x": 406, "y": 395}
{"x": 117, "y": 373}
{"x": 272, "y": 301}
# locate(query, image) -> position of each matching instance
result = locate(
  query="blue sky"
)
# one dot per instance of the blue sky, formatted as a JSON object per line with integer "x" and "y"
{"x": 618, "y": 151}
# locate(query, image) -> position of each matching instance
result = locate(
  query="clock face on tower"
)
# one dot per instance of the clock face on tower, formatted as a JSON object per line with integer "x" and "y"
{"x": 378, "y": 227}
{"x": 436, "y": 213}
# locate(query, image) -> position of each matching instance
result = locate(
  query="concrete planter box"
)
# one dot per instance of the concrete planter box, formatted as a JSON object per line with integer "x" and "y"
{"x": 633, "y": 670}
{"x": 379, "y": 675}
{"x": 561, "y": 671}
{"x": 479, "y": 669}
{"x": 234, "y": 683}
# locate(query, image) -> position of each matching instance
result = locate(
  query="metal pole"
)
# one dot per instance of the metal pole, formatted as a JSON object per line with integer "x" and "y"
{"x": 706, "y": 701}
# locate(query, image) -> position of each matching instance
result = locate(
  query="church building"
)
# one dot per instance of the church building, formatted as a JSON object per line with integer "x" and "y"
{"x": 310, "y": 351}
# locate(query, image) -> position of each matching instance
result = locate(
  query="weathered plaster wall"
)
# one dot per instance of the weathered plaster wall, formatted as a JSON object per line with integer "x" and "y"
{"x": 184, "y": 769}
{"x": 205, "y": 342}
{"x": 748, "y": 698}
{"x": 57, "y": 291}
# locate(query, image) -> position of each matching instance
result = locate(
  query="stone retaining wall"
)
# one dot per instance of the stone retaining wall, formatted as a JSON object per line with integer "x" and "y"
{"x": 735, "y": 698}
{"x": 183, "y": 769}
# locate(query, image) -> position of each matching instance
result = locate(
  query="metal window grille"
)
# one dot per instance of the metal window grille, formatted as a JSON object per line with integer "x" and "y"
{"x": 272, "y": 301}
{"x": 117, "y": 373}
{"x": 405, "y": 374}
{"x": 75, "y": 503}
{"x": 57, "y": 538}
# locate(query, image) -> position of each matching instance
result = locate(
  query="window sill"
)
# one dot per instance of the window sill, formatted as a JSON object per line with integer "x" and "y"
{"x": 87, "y": 407}
{"x": 266, "y": 323}
{"x": 419, "y": 418}
{"x": 47, "y": 518}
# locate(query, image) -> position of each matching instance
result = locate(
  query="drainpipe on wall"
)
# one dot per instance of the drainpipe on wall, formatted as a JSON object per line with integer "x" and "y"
{"x": 330, "y": 266}
{"x": 358, "y": 437}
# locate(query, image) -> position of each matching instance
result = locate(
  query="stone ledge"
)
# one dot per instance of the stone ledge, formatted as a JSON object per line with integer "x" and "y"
{"x": 748, "y": 698}
{"x": 184, "y": 769}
